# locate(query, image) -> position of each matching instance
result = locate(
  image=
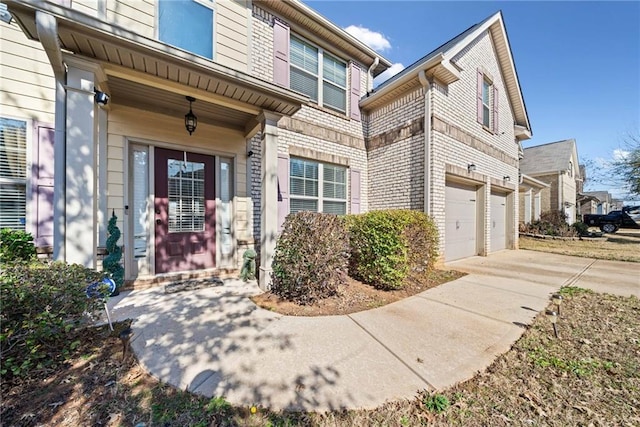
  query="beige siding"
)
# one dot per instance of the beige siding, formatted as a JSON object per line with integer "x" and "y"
{"x": 232, "y": 45}
{"x": 27, "y": 83}
{"x": 89, "y": 7}
{"x": 137, "y": 16}
{"x": 151, "y": 128}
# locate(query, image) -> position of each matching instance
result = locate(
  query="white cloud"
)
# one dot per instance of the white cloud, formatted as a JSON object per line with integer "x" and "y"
{"x": 376, "y": 41}
{"x": 388, "y": 73}
{"x": 619, "y": 154}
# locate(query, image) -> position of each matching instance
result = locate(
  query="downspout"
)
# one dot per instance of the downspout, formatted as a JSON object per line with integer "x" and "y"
{"x": 47, "y": 28}
{"x": 369, "y": 74}
{"x": 426, "y": 84}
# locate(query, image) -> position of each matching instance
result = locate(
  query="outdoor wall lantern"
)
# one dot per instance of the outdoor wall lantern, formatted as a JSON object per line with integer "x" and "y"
{"x": 190, "y": 119}
{"x": 100, "y": 98}
{"x": 471, "y": 167}
{"x": 506, "y": 178}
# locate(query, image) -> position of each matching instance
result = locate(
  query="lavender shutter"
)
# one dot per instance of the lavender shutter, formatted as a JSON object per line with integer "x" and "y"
{"x": 280, "y": 53}
{"x": 495, "y": 109}
{"x": 283, "y": 190}
{"x": 355, "y": 191}
{"x": 42, "y": 185}
{"x": 479, "y": 96}
{"x": 355, "y": 92}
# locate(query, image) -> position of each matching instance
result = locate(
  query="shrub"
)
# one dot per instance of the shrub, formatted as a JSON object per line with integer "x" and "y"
{"x": 16, "y": 245}
{"x": 41, "y": 309}
{"x": 436, "y": 403}
{"x": 581, "y": 228}
{"x": 387, "y": 246}
{"x": 551, "y": 223}
{"x": 311, "y": 257}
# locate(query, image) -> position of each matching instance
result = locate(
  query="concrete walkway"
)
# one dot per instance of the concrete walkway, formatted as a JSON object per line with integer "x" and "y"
{"x": 216, "y": 342}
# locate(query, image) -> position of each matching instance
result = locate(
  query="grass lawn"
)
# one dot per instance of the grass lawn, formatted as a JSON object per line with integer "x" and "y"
{"x": 589, "y": 376}
{"x": 621, "y": 246}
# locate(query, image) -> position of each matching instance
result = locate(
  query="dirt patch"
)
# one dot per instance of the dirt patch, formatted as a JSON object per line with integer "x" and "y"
{"x": 620, "y": 246}
{"x": 355, "y": 296}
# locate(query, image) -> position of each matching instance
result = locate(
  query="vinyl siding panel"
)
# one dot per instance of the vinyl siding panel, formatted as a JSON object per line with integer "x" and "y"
{"x": 231, "y": 22}
{"x": 89, "y": 7}
{"x": 134, "y": 15}
{"x": 26, "y": 76}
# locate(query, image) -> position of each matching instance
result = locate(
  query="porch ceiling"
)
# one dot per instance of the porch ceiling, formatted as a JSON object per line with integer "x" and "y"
{"x": 122, "y": 52}
{"x": 150, "y": 98}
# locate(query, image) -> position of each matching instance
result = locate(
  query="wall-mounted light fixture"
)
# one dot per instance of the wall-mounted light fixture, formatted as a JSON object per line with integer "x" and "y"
{"x": 249, "y": 153}
{"x": 471, "y": 167}
{"x": 100, "y": 98}
{"x": 506, "y": 178}
{"x": 190, "y": 119}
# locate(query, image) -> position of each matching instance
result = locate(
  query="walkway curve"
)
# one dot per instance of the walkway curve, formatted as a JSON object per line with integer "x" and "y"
{"x": 216, "y": 342}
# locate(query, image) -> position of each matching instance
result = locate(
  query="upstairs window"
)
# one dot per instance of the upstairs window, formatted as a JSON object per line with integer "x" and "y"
{"x": 319, "y": 75}
{"x": 13, "y": 173}
{"x": 187, "y": 24}
{"x": 487, "y": 102}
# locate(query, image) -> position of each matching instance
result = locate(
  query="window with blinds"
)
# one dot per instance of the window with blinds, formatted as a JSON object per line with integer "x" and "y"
{"x": 186, "y": 196}
{"x": 317, "y": 187}
{"x": 326, "y": 84}
{"x": 13, "y": 173}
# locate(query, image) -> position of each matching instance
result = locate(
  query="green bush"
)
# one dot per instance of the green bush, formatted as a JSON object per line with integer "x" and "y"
{"x": 551, "y": 223}
{"x": 311, "y": 257}
{"x": 581, "y": 228}
{"x": 41, "y": 311}
{"x": 16, "y": 245}
{"x": 387, "y": 246}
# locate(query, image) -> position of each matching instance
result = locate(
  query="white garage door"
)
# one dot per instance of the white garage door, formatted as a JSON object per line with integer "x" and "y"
{"x": 460, "y": 221}
{"x": 498, "y": 221}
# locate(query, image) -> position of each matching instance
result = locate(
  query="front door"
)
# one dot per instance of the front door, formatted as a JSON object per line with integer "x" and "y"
{"x": 184, "y": 211}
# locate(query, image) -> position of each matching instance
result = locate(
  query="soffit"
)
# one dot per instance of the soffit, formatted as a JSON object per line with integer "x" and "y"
{"x": 111, "y": 45}
{"x": 323, "y": 32}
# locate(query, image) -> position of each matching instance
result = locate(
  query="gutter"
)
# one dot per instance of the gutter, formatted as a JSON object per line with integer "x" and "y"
{"x": 47, "y": 28}
{"x": 426, "y": 84}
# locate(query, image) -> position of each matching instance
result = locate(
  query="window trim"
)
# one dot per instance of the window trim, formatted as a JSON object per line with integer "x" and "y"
{"x": 28, "y": 164}
{"x": 320, "y": 198}
{"x": 320, "y": 76}
{"x": 211, "y": 4}
{"x": 488, "y": 85}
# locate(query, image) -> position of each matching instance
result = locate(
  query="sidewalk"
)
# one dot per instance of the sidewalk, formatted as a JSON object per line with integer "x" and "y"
{"x": 216, "y": 342}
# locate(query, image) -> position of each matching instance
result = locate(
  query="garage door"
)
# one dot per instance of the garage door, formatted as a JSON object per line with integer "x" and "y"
{"x": 460, "y": 221}
{"x": 498, "y": 221}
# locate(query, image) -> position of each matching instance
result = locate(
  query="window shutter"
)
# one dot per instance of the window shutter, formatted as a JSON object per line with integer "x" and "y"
{"x": 355, "y": 191}
{"x": 496, "y": 104}
{"x": 283, "y": 190}
{"x": 280, "y": 53}
{"x": 42, "y": 185}
{"x": 479, "y": 96}
{"x": 355, "y": 92}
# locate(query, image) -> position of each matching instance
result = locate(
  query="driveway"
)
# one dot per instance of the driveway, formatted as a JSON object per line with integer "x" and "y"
{"x": 216, "y": 342}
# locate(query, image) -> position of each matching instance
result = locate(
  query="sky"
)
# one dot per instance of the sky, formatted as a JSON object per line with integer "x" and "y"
{"x": 578, "y": 62}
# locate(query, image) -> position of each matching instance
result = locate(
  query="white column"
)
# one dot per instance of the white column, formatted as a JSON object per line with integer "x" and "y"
{"x": 81, "y": 168}
{"x": 268, "y": 196}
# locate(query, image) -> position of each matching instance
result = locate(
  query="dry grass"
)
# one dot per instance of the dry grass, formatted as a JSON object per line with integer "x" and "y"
{"x": 622, "y": 246}
{"x": 590, "y": 376}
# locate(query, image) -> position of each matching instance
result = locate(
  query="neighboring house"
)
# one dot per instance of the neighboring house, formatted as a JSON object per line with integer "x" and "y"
{"x": 286, "y": 121}
{"x": 587, "y": 205}
{"x": 556, "y": 164}
{"x": 535, "y": 198}
{"x": 604, "y": 199}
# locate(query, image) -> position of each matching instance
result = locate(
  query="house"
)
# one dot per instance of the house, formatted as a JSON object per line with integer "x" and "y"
{"x": 205, "y": 144}
{"x": 603, "y": 201}
{"x": 556, "y": 164}
{"x": 444, "y": 136}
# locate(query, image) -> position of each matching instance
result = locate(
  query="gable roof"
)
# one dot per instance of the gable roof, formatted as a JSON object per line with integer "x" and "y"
{"x": 550, "y": 157}
{"x": 437, "y": 64}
